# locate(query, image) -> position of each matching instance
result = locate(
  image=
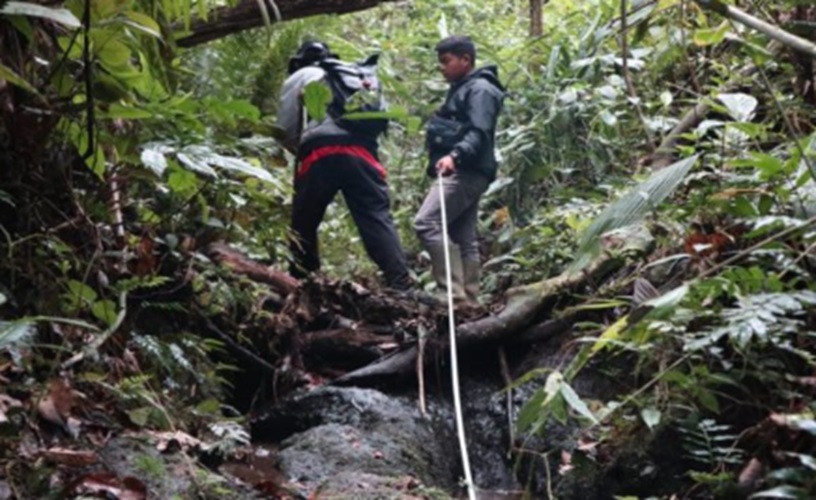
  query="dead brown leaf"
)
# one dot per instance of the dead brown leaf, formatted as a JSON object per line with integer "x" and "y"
{"x": 587, "y": 446}
{"x": 566, "y": 463}
{"x": 753, "y": 471}
{"x": 182, "y": 439}
{"x": 146, "y": 260}
{"x": 56, "y": 406}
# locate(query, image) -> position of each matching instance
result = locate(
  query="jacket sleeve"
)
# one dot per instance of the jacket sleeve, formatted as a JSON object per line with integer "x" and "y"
{"x": 482, "y": 110}
{"x": 290, "y": 109}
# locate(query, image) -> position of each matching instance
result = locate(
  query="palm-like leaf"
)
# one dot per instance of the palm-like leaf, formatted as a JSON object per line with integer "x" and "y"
{"x": 631, "y": 208}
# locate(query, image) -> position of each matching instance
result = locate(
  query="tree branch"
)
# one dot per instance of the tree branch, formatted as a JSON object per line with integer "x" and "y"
{"x": 767, "y": 29}
{"x": 247, "y": 14}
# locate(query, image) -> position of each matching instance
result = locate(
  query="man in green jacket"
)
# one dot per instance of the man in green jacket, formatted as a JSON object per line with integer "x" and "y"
{"x": 463, "y": 152}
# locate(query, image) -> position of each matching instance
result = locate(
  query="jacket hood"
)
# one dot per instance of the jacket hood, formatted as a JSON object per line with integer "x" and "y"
{"x": 489, "y": 73}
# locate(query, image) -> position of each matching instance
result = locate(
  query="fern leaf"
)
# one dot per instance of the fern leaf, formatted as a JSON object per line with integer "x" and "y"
{"x": 631, "y": 208}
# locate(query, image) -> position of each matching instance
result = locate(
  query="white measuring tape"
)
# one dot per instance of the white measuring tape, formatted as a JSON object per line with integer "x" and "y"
{"x": 457, "y": 400}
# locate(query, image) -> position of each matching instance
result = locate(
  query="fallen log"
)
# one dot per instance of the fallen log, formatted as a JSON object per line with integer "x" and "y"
{"x": 525, "y": 305}
{"x": 239, "y": 263}
{"x": 398, "y": 363}
{"x": 546, "y": 330}
{"x": 343, "y": 348}
{"x": 527, "y": 302}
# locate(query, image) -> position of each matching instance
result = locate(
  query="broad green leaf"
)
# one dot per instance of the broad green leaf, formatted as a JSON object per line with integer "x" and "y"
{"x": 576, "y": 403}
{"x": 96, "y": 162}
{"x": 630, "y": 208}
{"x": 752, "y": 130}
{"x": 10, "y": 76}
{"x": 785, "y": 491}
{"x": 413, "y": 124}
{"x": 611, "y": 333}
{"x": 143, "y": 23}
{"x": 193, "y": 161}
{"x": 154, "y": 160}
{"x": 6, "y": 198}
{"x": 316, "y": 97}
{"x": 558, "y": 408}
{"x": 768, "y": 165}
{"x": 109, "y": 89}
{"x": 126, "y": 112}
{"x": 13, "y": 332}
{"x": 182, "y": 182}
{"x": 667, "y": 303}
{"x": 708, "y": 400}
{"x": 200, "y": 158}
{"x": 21, "y": 24}
{"x": 81, "y": 291}
{"x": 527, "y": 377}
{"x": 239, "y": 165}
{"x": 114, "y": 55}
{"x": 243, "y": 109}
{"x": 740, "y": 106}
{"x": 531, "y": 411}
{"x": 598, "y": 305}
{"x": 62, "y": 16}
{"x": 208, "y": 407}
{"x": 552, "y": 387}
{"x": 711, "y": 36}
{"x": 105, "y": 311}
{"x": 651, "y": 417}
{"x": 805, "y": 422}
{"x": 807, "y": 460}
{"x": 140, "y": 416}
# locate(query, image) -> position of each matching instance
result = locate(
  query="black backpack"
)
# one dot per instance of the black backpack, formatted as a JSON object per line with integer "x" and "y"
{"x": 356, "y": 96}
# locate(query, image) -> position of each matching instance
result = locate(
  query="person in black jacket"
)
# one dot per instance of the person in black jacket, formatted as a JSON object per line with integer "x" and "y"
{"x": 460, "y": 141}
{"x": 331, "y": 159}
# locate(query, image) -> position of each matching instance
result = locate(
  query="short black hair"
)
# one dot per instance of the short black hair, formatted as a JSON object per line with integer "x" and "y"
{"x": 310, "y": 52}
{"x": 458, "y": 45}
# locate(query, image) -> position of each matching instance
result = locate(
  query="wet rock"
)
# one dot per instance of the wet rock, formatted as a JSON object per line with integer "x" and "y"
{"x": 166, "y": 475}
{"x": 373, "y": 487}
{"x": 488, "y": 433}
{"x": 333, "y": 431}
{"x": 136, "y": 457}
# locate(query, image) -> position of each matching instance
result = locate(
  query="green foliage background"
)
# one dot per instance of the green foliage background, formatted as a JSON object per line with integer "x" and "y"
{"x": 184, "y": 139}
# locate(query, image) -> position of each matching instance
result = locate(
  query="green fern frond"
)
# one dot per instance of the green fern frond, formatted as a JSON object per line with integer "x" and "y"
{"x": 710, "y": 443}
{"x": 179, "y": 356}
{"x": 631, "y": 208}
{"x": 166, "y": 306}
{"x": 764, "y": 318}
{"x": 131, "y": 284}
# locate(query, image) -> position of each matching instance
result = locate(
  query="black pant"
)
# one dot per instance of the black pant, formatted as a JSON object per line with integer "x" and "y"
{"x": 366, "y": 195}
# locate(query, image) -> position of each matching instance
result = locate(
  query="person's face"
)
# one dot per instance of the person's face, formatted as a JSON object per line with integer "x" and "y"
{"x": 454, "y": 67}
